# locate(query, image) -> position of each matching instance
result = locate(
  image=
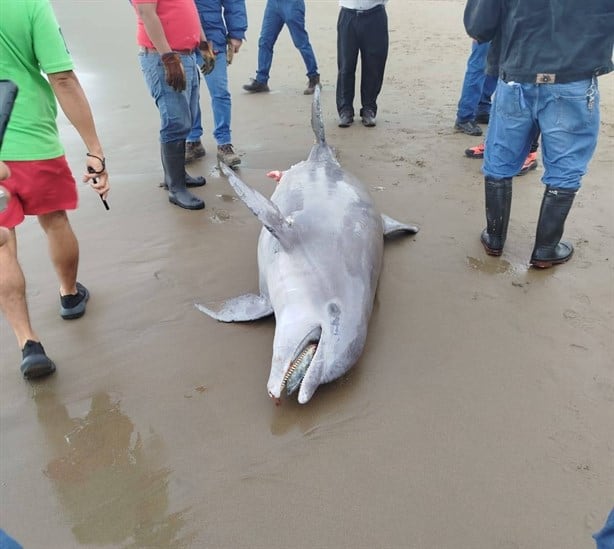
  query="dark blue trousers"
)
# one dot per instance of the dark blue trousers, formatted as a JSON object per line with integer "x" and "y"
{"x": 366, "y": 33}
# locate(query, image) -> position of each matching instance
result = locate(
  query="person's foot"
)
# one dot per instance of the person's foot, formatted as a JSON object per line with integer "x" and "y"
{"x": 185, "y": 199}
{"x": 190, "y": 181}
{"x": 482, "y": 118}
{"x": 368, "y": 118}
{"x": 530, "y": 163}
{"x": 346, "y": 119}
{"x": 35, "y": 363}
{"x": 475, "y": 152}
{"x": 311, "y": 85}
{"x": 197, "y": 181}
{"x": 469, "y": 127}
{"x": 73, "y": 305}
{"x": 193, "y": 151}
{"x": 227, "y": 155}
{"x": 255, "y": 87}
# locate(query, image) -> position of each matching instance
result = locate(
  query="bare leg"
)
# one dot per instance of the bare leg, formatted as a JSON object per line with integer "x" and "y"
{"x": 13, "y": 290}
{"x": 63, "y": 249}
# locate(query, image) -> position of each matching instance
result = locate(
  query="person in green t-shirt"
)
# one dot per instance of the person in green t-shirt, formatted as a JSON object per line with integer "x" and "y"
{"x": 40, "y": 182}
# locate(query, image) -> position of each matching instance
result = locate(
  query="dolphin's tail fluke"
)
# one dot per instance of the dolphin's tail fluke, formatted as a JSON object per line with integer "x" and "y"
{"x": 316, "y": 117}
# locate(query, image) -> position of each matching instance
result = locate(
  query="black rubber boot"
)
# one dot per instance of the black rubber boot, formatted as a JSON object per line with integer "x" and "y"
{"x": 190, "y": 181}
{"x": 498, "y": 200}
{"x": 197, "y": 181}
{"x": 549, "y": 249}
{"x": 173, "y": 161}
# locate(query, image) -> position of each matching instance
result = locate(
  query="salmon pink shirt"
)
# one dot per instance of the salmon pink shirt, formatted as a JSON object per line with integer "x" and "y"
{"x": 180, "y": 23}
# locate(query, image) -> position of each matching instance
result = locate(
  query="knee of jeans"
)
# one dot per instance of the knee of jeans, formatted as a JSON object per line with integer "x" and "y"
{"x": 217, "y": 85}
{"x": 265, "y": 42}
{"x": 175, "y": 129}
{"x": 499, "y": 168}
{"x": 221, "y": 101}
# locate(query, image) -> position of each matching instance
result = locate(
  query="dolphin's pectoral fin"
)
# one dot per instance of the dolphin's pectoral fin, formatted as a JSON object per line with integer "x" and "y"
{"x": 265, "y": 210}
{"x": 392, "y": 226}
{"x": 240, "y": 309}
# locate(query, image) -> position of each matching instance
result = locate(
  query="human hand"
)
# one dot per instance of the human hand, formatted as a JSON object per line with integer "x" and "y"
{"x": 208, "y": 57}
{"x": 4, "y": 171}
{"x": 173, "y": 70}
{"x": 275, "y": 174}
{"x": 96, "y": 174}
{"x": 233, "y": 46}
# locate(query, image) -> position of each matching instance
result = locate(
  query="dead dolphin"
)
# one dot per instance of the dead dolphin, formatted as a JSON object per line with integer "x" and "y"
{"x": 319, "y": 259}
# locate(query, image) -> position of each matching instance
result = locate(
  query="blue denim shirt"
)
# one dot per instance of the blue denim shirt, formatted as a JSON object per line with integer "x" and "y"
{"x": 569, "y": 38}
{"x": 222, "y": 19}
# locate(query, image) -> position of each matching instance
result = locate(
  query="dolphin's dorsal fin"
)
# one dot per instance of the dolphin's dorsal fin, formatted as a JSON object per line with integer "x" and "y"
{"x": 317, "y": 124}
{"x": 320, "y": 152}
{"x": 267, "y": 212}
{"x": 392, "y": 226}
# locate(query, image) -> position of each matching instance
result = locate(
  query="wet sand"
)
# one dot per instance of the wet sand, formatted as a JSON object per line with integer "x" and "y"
{"x": 479, "y": 417}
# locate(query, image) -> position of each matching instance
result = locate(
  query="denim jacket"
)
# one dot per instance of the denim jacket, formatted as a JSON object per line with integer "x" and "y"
{"x": 222, "y": 19}
{"x": 571, "y": 39}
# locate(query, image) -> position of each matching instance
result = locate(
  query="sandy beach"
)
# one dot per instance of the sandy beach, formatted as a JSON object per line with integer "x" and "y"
{"x": 479, "y": 416}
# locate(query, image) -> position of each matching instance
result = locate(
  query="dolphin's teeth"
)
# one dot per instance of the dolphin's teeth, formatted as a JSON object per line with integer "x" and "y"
{"x": 296, "y": 372}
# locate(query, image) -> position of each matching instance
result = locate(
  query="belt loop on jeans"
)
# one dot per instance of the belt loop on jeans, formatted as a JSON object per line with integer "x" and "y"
{"x": 364, "y": 12}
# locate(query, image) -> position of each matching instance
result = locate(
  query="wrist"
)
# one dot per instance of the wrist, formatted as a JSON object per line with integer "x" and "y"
{"x": 95, "y": 151}
{"x": 101, "y": 159}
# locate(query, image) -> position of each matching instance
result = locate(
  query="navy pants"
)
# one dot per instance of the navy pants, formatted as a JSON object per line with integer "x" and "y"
{"x": 364, "y": 32}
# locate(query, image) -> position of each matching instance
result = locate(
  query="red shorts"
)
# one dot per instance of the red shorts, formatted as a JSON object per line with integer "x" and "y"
{"x": 38, "y": 187}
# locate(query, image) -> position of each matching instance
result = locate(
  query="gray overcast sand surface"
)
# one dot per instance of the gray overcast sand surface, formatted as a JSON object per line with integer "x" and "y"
{"x": 479, "y": 416}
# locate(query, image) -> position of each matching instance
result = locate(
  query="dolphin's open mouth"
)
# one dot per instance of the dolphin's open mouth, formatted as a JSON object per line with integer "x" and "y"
{"x": 295, "y": 374}
{"x": 300, "y": 364}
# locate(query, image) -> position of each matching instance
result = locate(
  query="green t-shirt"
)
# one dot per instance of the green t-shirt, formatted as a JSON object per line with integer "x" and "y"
{"x": 30, "y": 42}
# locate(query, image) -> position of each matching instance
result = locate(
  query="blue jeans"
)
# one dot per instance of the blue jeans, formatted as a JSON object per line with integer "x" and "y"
{"x": 605, "y": 537}
{"x": 478, "y": 87}
{"x": 276, "y": 14}
{"x": 566, "y": 114}
{"x": 217, "y": 83}
{"x": 177, "y": 109}
{"x": 7, "y": 542}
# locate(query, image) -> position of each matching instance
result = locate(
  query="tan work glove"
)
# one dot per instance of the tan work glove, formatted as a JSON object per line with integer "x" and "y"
{"x": 232, "y": 47}
{"x": 208, "y": 57}
{"x": 230, "y": 51}
{"x": 173, "y": 70}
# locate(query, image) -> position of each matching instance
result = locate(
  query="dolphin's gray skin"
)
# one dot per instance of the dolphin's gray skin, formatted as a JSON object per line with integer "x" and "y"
{"x": 319, "y": 257}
